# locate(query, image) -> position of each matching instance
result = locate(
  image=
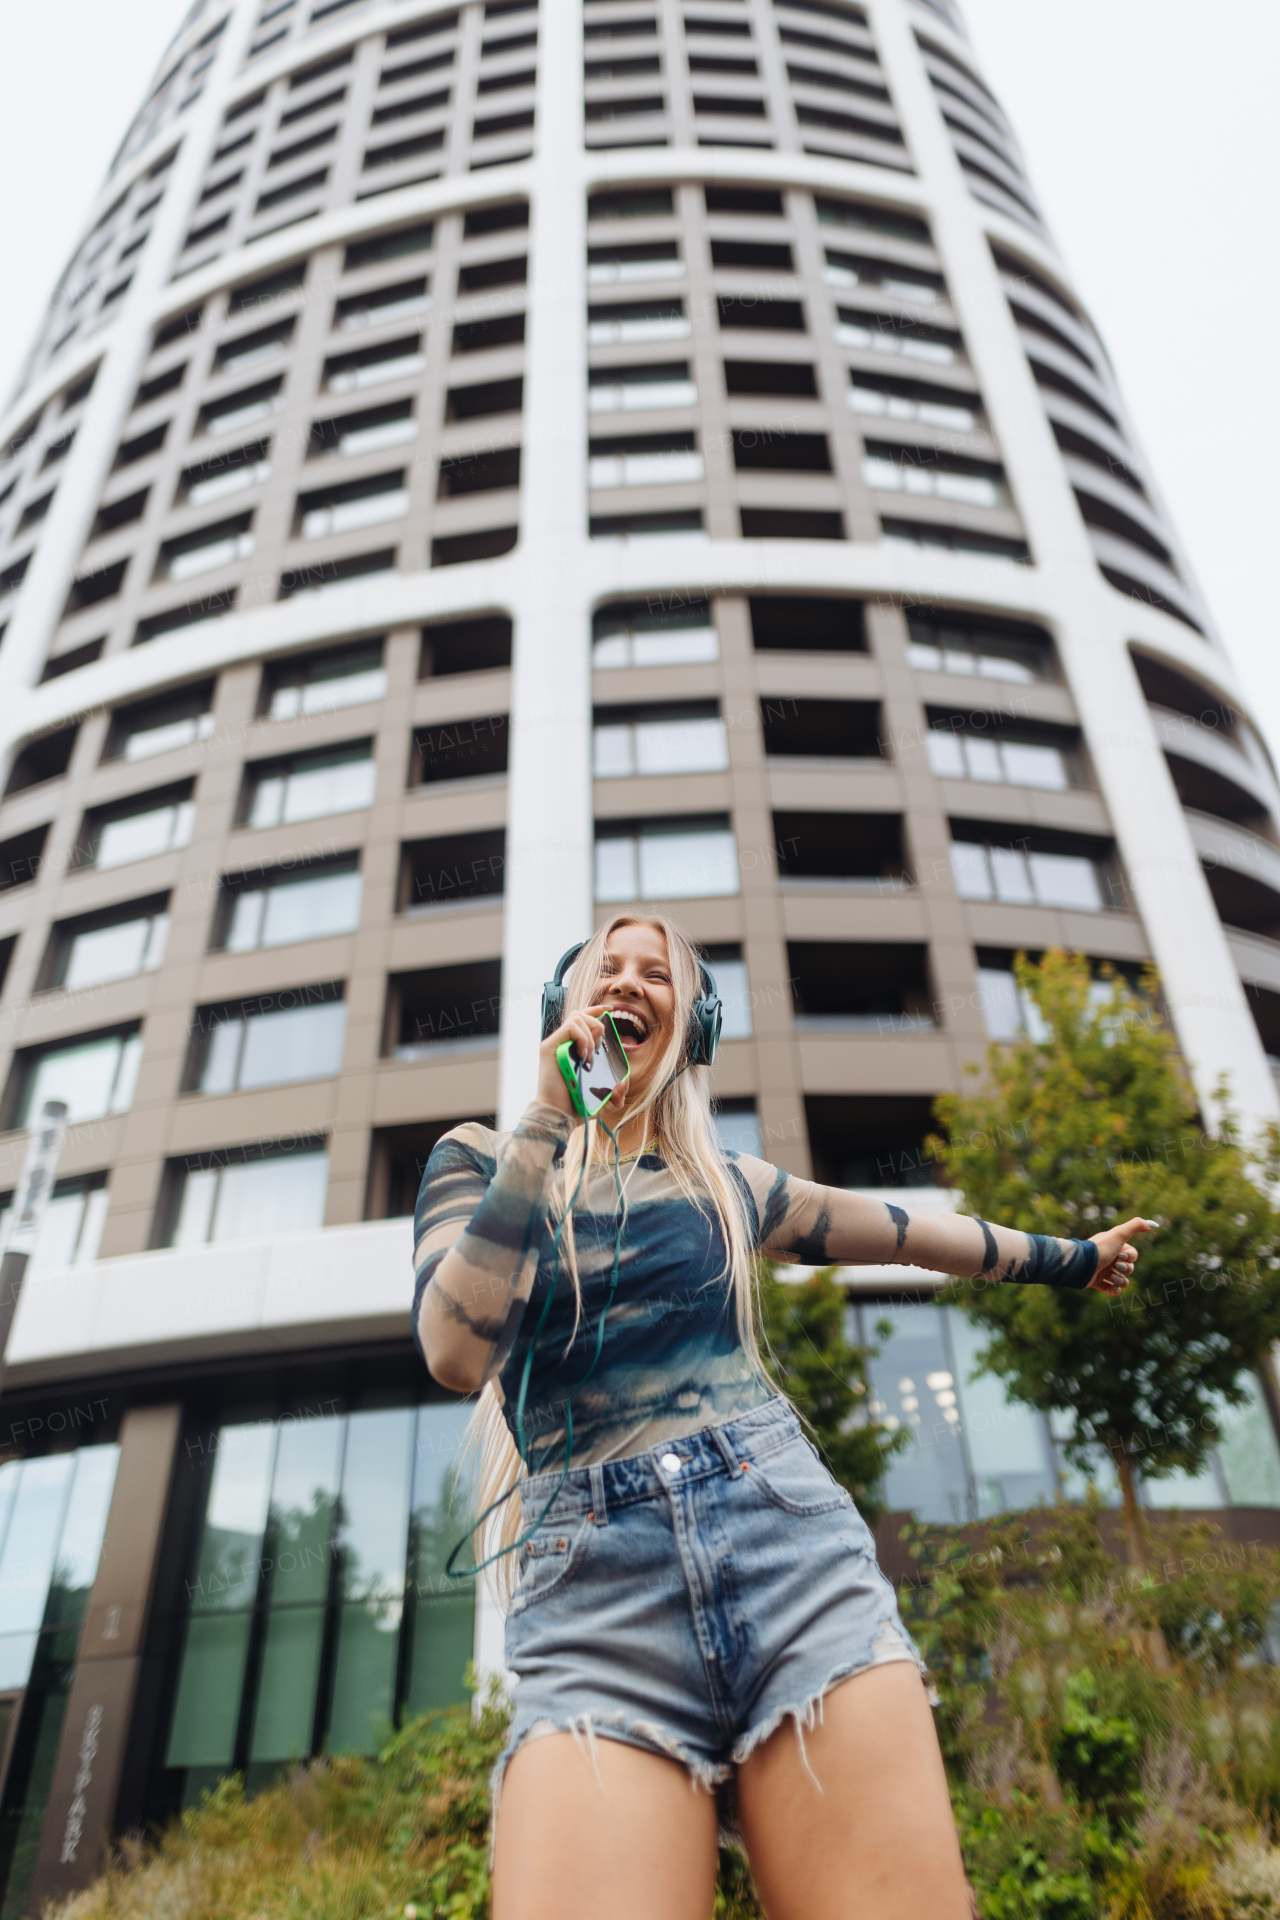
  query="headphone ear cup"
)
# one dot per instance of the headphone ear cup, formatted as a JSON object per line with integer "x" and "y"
{"x": 708, "y": 1018}
{"x": 553, "y": 999}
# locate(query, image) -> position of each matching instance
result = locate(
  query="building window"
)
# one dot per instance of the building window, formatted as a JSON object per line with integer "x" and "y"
{"x": 661, "y": 383}
{"x": 323, "y": 682}
{"x": 95, "y": 1075}
{"x": 737, "y": 1127}
{"x": 115, "y": 944}
{"x": 647, "y": 260}
{"x": 394, "y": 360}
{"x": 279, "y": 1658}
{"x": 308, "y": 786}
{"x": 1021, "y": 878}
{"x": 137, "y": 829}
{"x": 665, "y": 859}
{"x": 382, "y": 304}
{"x": 629, "y": 741}
{"x": 272, "y": 1040}
{"x": 895, "y": 333}
{"x": 53, "y": 1514}
{"x": 232, "y": 472}
{"x": 358, "y": 503}
{"x": 160, "y": 726}
{"x": 368, "y": 431}
{"x": 913, "y": 400}
{"x": 729, "y": 971}
{"x": 275, "y": 909}
{"x": 454, "y": 1007}
{"x": 72, "y": 1224}
{"x": 1018, "y": 656}
{"x": 644, "y": 460}
{"x": 205, "y": 550}
{"x": 636, "y": 321}
{"x": 241, "y": 409}
{"x": 637, "y": 635}
{"x": 247, "y": 1193}
{"x": 955, "y": 755}
{"x": 887, "y": 468}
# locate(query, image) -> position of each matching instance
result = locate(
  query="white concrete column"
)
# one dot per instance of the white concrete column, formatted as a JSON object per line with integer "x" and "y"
{"x": 549, "y": 826}
{"x": 1215, "y": 1029}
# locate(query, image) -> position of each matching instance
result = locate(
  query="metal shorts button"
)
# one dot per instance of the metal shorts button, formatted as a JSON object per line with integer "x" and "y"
{"x": 671, "y": 1463}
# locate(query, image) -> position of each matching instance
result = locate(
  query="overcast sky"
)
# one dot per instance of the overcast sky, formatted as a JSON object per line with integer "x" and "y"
{"x": 1149, "y": 130}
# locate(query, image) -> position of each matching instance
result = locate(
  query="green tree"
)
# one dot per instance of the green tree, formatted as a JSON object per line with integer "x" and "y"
{"x": 824, "y": 1375}
{"x": 1091, "y": 1122}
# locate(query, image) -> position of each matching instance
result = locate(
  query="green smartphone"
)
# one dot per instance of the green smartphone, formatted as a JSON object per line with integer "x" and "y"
{"x": 592, "y": 1082}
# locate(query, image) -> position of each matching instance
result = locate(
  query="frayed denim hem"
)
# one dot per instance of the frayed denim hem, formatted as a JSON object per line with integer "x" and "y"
{"x": 586, "y": 1729}
{"x": 891, "y": 1648}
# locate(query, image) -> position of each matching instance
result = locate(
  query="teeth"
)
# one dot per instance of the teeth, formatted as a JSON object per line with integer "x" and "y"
{"x": 632, "y": 1020}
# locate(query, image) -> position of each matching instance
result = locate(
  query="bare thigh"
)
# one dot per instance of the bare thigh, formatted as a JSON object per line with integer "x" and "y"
{"x": 866, "y": 1829}
{"x": 629, "y": 1836}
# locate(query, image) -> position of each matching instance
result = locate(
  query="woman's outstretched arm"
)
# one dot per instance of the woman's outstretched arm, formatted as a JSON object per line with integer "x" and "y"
{"x": 820, "y": 1226}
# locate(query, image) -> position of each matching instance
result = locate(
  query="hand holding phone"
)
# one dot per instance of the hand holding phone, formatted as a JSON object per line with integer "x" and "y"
{"x": 592, "y": 1083}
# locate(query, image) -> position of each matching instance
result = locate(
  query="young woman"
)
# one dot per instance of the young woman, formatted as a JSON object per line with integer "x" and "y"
{"x": 699, "y": 1629}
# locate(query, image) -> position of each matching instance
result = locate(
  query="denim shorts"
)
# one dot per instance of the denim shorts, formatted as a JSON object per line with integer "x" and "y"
{"x": 689, "y": 1599}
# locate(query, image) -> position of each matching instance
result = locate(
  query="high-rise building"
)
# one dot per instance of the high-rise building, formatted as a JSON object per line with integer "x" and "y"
{"x": 480, "y": 467}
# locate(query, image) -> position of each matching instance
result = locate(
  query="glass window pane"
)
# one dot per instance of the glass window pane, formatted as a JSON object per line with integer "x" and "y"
{"x": 206, "y": 1712}
{"x": 1034, "y": 766}
{"x": 268, "y": 798}
{"x": 683, "y": 866}
{"x": 301, "y": 1043}
{"x": 1202, "y": 1489}
{"x": 136, "y": 838}
{"x": 929, "y": 1477}
{"x": 946, "y": 755}
{"x": 738, "y": 1129}
{"x": 83, "y": 1076}
{"x": 17, "y": 1651}
{"x": 222, "y": 1057}
{"x": 327, "y": 691}
{"x": 79, "y": 1549}
{"x": 304, "y": 1507}
{"x": 108, "y": 953}
{"x": 315, "y": 791}
{"x": 1008, "y": 1443}
{"x": 734, "y": 989}
{"x": 681, "y": 746}
{"x": 613, "y": 752}
{"x": 34, "y": 1526}
{"x": 127, "y": 1074}
{"x": 1013, "y": 883}
{"x": 972, "y": 874}
{"x": 616, "y": 870}
{"x": 374, "y": 1530}
{"x": 10, "y": 1474}
{"x": 443, "y": 1628}
{"x": 373, "y": 1541}
{"x": 311, "y": 909}
{"x": 284, "y": 1712}
{"x": 998, "y": 998}
{"x": 678, "y": 646}
{"x": 1248, "y": 1451}
{"x": 246, "y": 920}
{"x": 235, "y": 1518}
{"x": 360, "y": 1718}
{"x": 195, "y": 1215}
{"x": 31, "y": 1776}
{"x": 285, "y": 1195}
{"x": 1064, "y": 880}
{"x": 59, "y": 1231}
{"x": 442, "y": 1496}
{"x": 982, "y": 760}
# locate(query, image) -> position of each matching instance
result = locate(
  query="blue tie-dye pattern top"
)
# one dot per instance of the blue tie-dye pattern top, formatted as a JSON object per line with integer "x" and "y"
{"x": 671, "y": 1360}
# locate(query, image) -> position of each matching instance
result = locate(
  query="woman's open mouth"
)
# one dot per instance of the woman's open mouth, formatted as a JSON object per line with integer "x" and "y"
{"x": 633, "y": 1028}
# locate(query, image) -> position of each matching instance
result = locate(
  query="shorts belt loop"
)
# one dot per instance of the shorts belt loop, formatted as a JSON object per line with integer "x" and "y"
{"x": 731, "y": 1459}
{"x": 599, "y": 1509}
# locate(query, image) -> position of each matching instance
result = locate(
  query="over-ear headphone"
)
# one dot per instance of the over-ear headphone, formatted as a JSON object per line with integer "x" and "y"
{"x": 705, "y": 1019}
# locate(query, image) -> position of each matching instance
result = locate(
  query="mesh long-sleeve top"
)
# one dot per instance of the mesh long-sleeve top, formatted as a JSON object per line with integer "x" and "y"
{"x": 671, "y": 1360}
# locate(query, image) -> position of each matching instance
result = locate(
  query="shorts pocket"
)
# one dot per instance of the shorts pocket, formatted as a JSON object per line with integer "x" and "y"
{"x": 547, "y": 1559}
{"x": 794, "y": 1478}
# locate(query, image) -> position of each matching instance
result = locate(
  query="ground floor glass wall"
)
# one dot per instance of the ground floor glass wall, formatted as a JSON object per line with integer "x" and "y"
{"x": 975, "y": 1452}
{"x": 318, "y": 1614}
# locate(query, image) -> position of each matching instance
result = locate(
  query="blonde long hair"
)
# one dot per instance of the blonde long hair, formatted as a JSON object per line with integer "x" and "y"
{"x": 678, "y": 1112}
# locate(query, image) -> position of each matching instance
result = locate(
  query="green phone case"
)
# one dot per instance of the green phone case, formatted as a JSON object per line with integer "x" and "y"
{"x": 568, "y": 1067}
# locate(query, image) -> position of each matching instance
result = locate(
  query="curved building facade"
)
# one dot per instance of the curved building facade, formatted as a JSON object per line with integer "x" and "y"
{"x": 482, "y": 466}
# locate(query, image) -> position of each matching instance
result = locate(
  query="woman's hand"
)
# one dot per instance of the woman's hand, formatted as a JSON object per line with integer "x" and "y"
{"x": 1116, "y": 1256}
{"x": 586, "y": 1031}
